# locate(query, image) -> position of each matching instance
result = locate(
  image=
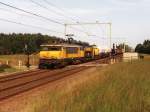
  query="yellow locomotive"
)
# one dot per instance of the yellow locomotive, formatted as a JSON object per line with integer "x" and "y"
{"x": 59, "y": 55}
{"x": 91, "y": 52}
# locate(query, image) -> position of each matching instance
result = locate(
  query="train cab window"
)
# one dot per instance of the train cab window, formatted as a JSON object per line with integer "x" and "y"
{"x": 81, "y": 48}
{"x": 44, "y": 48}
{"x": 54, "y": 48}
{"x": 71, "y": 50}
{"x": 49, "y": 48}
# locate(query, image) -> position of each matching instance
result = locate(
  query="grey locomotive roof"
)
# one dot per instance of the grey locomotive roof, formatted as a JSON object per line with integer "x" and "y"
{"x": 60, "y": 45}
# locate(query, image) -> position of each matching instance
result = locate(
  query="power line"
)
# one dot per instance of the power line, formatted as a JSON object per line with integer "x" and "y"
{"x": 102, "y": 29}
{"x": 21, "y": 14}
{"x": 62, "y": 10}
{"x": 55, "y": 12}
{"x": 11, "y": 11}
{"x": 79, "y": 30}
{"x": 37, "y": 15}
{"x": 38, "y": 4}
{"x": 22, "y": 10}
{"x": 32, "y": 26}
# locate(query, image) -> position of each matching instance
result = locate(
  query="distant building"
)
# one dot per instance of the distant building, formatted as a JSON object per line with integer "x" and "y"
{"x": 130, "y": 56}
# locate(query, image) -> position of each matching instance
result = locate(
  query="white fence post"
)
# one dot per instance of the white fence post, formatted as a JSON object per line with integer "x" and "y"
{"x": 20, "y": 64}
{"x": 7, "y": 62}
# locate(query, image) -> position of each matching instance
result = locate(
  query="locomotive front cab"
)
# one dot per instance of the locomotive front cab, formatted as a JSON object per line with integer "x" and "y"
{"x": 88, "y": 52}
{"x": 50, "y": 56}
{"x": 50, "y": 52}
{"x": 92, "y": 52}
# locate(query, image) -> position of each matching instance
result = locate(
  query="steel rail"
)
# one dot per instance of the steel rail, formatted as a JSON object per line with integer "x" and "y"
{"x": 17, "y": 89}
{"x": 20, "y": 75}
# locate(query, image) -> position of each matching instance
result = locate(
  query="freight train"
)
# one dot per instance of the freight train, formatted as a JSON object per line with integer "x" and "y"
{"x": 60, "y": 55}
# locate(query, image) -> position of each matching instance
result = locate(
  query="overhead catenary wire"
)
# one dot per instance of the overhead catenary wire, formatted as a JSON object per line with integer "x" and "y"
{"x": 59, "y": 8}
{"x": 37, "y": 15}
{"x": 53, "y": 11}
{"x": 11, "y": 11}
{"x": 25, "y": 15}
{"x": 40, "y": 5}
{"x": 21, "y": 14}
{"x": 34, "y": 14}
{"x": 27, "y": 25}
{"x": 102, "y": 30}
{"x": 40, "y": 16}
{"x": 75, "y": 20}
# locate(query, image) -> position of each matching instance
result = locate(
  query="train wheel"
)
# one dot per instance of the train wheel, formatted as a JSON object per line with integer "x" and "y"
{"x": 51, "y": 66}
{"x": 41, "y": 66}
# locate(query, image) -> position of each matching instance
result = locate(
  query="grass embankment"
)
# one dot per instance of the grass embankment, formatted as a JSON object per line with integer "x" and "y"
{"x": 8, "y": 69}
{"x": 16, "y": 63}
{"x": 123, "y": 87}
{"x": 4, "y": 68}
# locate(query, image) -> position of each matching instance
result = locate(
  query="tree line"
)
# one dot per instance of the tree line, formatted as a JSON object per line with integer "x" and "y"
{"x": 16, "y": 43}
{"x": 143, "y": 48}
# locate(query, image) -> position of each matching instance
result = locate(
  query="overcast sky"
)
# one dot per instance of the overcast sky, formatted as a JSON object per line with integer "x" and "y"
{"x": 130, "y": 19}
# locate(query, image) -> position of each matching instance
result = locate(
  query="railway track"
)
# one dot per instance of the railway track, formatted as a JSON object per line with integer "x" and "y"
{"x": 16, "y": 84}
{"x": 20, "y": 75}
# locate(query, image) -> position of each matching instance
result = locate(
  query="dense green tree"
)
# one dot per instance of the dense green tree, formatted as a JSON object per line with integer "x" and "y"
{"x": 143, "y": 48}
{"x": 15, "y": 43}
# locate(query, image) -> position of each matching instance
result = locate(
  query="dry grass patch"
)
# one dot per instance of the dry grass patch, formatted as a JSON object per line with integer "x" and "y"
{"x": 123, "y": 87}
{"x": 13, "y": 60}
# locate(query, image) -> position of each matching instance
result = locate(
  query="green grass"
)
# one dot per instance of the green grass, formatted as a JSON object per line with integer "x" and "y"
{"x": 126, "y": 88}
{"x": 123, "y": 87}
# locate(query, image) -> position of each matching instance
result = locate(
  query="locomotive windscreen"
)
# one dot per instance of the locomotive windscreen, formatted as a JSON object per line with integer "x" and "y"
{"x": 50, "y": 48}
{"x": 71, "y": 50}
